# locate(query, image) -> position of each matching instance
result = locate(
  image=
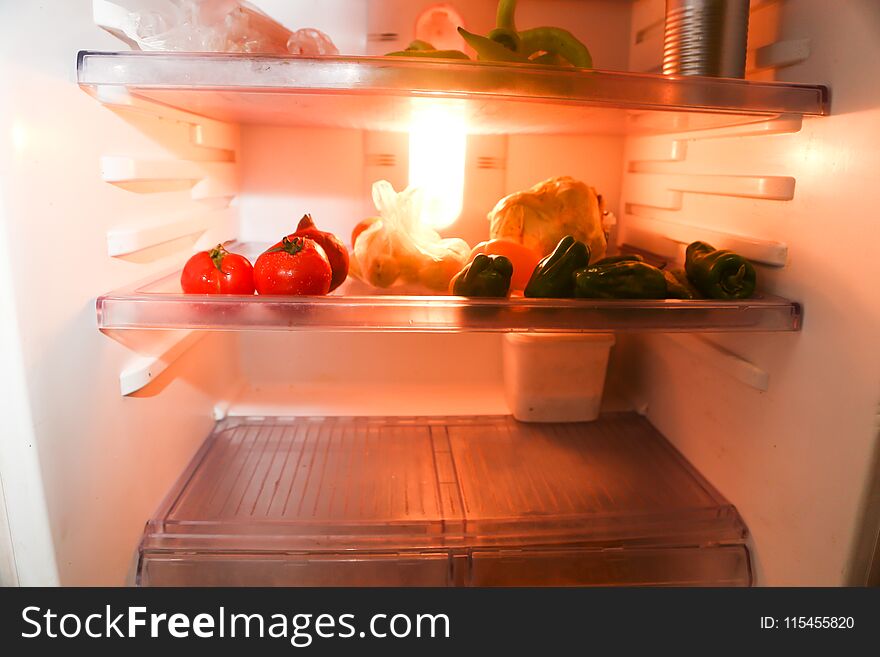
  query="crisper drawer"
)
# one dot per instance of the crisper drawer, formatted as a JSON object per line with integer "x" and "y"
{"x": 687, "y": 566}
{"x": 442, "y": 501}
{"x": 364, "y": 569}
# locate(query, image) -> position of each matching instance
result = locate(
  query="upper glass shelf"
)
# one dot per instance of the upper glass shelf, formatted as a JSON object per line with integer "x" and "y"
{"x": 376, "y": 93}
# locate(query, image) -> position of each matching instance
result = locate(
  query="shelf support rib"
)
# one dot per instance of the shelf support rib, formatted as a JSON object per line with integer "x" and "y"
{"x": 204, "y": 132}
{"x": 208, "y": 171}
{"x": 766, "y": 252}
{"x": 125, "y": 240}
{"x": 205, "y": 179}
{"x": 155, "y": 353}
{"x": 721, "y": 359}
{"x": 657, "y": 219}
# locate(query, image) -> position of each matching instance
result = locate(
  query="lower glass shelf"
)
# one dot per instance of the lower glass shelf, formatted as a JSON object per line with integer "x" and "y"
{"x": 161, "y": 305}
{"x": 442, "y": 501}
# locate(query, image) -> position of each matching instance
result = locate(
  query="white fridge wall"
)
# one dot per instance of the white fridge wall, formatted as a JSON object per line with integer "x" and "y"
{"x": 21, "y": 493}
{"x": 348, "y": 374}
{"x": 799, "y": 460}
{"x": 83, "y": 467}
{"x": 288, "y": 172}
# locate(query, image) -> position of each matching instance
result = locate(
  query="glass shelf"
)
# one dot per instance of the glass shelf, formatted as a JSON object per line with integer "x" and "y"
{"x": 160, "y": 304}
{"x": 443, "y": 501}
{"x": 377, "y": 93}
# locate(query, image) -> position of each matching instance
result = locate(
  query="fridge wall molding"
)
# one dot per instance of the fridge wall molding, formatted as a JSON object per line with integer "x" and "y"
{"x": 207, "y": 179}
{"x": 766, "y": 252}
{"x": 781, "y": 54}
{"x": 211, "y": 172}
{"x": 143, "y": 370}
{"x": 126, "y": 240}
{"x": 721, "y": 359}
{"x": 204, "y": 132}
{"x": 656, "y": 166}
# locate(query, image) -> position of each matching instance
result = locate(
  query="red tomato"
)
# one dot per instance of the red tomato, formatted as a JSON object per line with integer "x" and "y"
{"x": 296, "y": 266}
{"x": 361, "y": 227}
{"x": 217, "y": 272}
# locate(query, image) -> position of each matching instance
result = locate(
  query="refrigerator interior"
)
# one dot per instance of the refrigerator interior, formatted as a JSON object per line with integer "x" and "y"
{"x": 781, "y": 425}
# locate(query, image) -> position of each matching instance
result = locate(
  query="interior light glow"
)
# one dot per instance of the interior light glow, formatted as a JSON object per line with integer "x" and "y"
{"x": 437, "y": 149}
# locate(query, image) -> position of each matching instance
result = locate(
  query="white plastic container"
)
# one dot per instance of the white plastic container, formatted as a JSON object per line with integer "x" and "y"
{"x": 554, "y": 377}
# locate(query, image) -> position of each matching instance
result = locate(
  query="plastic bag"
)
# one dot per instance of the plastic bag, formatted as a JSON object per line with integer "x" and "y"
{"x": 311, "y": 43}
{"x": 401, "y": 250}
{"x": 205, "y": 26}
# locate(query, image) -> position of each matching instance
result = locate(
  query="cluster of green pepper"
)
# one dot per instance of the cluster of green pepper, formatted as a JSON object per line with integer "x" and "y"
{"x": 539, "y": 45}
{"x": 709, "y": 273}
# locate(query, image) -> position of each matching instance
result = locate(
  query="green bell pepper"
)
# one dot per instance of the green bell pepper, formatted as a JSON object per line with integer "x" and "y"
{"x": 629, "y": 279}
{"x": 553, "y": 278}
{"x": 719, "y": 273}
{"x": 678, "y": 286}
{"x": 485, "y": 276}
{"x": 623, "y": 257}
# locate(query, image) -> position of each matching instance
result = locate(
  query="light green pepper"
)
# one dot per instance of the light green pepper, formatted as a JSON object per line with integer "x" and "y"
{"x": 557, "y": 41}
{"x": 419, "y": 48}
{"x": 554, "y": 43}
{"x": 505, "y": 16}
{"x": 491, "y": 51}
{"x": 506, "y": 37}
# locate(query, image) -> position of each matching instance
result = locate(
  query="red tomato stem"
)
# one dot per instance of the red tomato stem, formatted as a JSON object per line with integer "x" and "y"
{"x": 217, "y": 254}
{"x": 291, "y": 246}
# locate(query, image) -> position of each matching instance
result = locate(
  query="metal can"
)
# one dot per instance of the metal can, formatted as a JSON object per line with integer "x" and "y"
{"x": 706, "y": 37}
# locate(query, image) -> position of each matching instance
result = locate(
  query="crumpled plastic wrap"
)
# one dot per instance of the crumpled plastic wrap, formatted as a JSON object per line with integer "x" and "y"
{"x": 311, "y": 43}
{"x": 208, "y": 26}
{"x": 400, "y": 250}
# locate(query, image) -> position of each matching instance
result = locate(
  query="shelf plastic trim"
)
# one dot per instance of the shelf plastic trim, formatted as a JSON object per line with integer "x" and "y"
{"x": 407, "y": 77}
